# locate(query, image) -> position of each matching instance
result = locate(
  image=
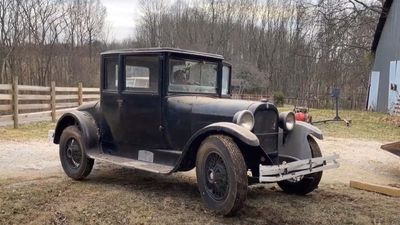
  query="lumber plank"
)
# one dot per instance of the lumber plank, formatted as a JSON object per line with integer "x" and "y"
{"x": 91, "y": 96}
{"x": 15, "y": 90}
{"x": 91, "y": 89}
{"x": 5, "y": 97}
{"x": 35, "y": 116}
{"x": 5, "y": 107}
{"x": 6, "y": 118}
{"x": 34, "y": 97}
{"x": 32, "y": 88}
{"x": 5, "y": 87}
{"x": 53, "y": 101}
{"x": 80, "y": 93}
{"x": 67, "y": 89}
{"x": 67, "y": 105}
{"x": 66, "y": 97}
{"x": 33, "y": 106}
{"x": 382, "y": 189}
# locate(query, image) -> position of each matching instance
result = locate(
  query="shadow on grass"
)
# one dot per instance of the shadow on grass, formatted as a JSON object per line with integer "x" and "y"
{"x": 182, "y": 187}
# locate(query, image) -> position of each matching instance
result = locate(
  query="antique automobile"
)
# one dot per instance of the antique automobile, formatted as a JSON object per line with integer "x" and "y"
{"x": 168, "y": 110}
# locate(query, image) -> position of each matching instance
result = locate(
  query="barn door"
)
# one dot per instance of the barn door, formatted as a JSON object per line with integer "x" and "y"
{"x": 394, "y": 85}
{"x": 373, "y": 91}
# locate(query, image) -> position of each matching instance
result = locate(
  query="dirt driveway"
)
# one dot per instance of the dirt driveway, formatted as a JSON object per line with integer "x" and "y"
{"x": 34, "y": 190}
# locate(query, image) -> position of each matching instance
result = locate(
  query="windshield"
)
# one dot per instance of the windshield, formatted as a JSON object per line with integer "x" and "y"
{"x": 192, "y": 76}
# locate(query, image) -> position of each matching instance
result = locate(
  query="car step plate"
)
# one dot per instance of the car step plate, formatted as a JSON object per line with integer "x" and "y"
{"x": 135, "y": 164}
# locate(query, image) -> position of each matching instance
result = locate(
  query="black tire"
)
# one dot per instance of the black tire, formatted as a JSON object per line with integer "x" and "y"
{"x": 220, "y": 167}
{"x": 72, "y": 154}
{"x": 307, "y": 183}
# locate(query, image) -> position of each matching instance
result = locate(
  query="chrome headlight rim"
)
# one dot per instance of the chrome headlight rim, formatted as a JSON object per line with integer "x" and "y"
{"x": 240, "y": 116}
{"x": 287, "y": 121}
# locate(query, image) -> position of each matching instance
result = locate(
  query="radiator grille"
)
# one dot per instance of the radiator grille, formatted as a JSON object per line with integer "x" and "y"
{"x": 266, "y": 129}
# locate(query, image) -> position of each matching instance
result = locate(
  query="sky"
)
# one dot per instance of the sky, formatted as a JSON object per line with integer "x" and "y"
{"x": 122, "y": 17}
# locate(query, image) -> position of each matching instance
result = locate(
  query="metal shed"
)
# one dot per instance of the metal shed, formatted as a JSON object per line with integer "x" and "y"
{"x": 385, "y": 75}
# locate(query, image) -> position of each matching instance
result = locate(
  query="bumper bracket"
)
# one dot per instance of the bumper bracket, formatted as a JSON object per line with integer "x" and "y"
{"x": 294, "y": 169}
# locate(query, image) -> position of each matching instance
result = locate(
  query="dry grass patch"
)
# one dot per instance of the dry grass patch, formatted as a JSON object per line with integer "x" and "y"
{"x": 364, "y": 124}
{"x": 26, "y": 132}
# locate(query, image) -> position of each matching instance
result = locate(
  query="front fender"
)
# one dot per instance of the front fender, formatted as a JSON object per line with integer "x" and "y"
{"x": 187, "y": 160}
{"x": 295, "y": 145}
{"x": 86, "y": 124}
{"x": 233, "y": 129}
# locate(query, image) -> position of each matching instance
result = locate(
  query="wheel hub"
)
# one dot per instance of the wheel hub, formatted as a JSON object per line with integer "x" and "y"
{"x": 216, "y": 177}
{"x": 69, "y": 153}
{"x": 211, "y": 176}
{"x": 73, "y": 153}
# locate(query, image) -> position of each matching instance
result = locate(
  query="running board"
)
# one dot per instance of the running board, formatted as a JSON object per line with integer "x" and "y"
{"x": 297, "y": 168}
{"x": 135, "y": 164}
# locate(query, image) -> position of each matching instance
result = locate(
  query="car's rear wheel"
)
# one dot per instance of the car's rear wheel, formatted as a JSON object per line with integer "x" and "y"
{"x": 72, "y": 154}
{"x": 221, "y": 174}
{"x": 304, "y": 184}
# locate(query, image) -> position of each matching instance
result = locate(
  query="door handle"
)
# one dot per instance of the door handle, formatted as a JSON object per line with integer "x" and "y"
{"x": 120, "y": 101}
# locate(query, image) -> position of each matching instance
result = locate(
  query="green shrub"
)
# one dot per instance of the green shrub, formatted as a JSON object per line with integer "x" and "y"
{"x": 279, "y": 98}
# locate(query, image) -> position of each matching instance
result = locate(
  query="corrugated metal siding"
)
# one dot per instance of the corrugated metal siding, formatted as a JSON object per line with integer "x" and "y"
{"x": 388, "y": 50}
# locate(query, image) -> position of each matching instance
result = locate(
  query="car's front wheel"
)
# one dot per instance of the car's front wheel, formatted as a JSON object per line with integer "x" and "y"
{"x": 72, "y": 154}
{"x": 221, "y": 174}
{"x": 304, "y": 184}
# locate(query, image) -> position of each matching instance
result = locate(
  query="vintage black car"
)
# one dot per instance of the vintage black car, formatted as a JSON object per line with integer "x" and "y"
{"x": 167, "y": 110}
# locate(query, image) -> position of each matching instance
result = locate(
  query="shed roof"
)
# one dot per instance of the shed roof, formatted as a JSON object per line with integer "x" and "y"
{"x": 381, "y": 24}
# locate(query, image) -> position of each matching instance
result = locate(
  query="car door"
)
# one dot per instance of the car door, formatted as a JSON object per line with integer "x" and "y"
{"x": 109, "y": 103}
{"x": 141, "y": 104}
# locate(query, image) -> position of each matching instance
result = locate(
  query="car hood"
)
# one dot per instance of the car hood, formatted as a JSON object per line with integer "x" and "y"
{"x": 201, "y": 111}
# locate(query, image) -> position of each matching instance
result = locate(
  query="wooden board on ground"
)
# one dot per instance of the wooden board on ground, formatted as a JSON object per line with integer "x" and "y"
{"x": 382, "y": 189}
{"x": 393, "y": 148}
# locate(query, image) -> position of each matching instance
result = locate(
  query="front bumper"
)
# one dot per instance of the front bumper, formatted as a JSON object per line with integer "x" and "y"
{"x": 297, "y": 168}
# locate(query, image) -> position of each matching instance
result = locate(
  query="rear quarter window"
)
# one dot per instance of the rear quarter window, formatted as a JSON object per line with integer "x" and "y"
{"x": 111, "y": 74}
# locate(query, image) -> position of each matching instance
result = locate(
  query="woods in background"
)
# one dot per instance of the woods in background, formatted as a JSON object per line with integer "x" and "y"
{"x": 302, "y": 48}
{"x": 50, "y": 40}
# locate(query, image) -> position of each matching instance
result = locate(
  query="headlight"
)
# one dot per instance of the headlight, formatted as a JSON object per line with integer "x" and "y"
{"x": 245, "y": 119}
{"x": 287, "y": 120}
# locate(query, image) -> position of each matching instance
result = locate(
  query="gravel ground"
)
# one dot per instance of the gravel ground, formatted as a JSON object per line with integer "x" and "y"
{"x": 34, "y": 189}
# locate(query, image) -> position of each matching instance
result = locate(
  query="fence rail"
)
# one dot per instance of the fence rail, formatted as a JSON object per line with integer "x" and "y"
{"x": 21, "y": 104}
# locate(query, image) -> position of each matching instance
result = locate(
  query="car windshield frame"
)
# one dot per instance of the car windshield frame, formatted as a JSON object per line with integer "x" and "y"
{"x": 191, "y": 87}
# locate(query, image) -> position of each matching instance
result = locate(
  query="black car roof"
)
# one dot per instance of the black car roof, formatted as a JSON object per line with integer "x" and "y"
{"x": 163, "y": 50}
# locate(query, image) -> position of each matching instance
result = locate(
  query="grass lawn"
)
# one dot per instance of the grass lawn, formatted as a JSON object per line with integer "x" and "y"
{"x": 26, "y": 132}
{"x": 365, "y": 125}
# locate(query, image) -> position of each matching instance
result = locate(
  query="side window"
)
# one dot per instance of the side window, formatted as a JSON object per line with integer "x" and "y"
{"x": 111, "y": 74}
{"x": 141, "y": 73}
{"x": 226, "y": 71}
{"x": 193, "y": 76}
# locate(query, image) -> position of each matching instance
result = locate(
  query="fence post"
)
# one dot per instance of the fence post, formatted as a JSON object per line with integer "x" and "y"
{"x": 15, "y": 101}
{"x": 53, "y": 101}
{"x": 80, "y": 93}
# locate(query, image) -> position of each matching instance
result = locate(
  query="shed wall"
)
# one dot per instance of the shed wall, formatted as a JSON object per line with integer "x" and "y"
{"x": 388, "y": 50}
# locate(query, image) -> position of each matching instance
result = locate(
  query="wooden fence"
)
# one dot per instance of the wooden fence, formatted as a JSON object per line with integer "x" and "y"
{"x": 252, "y": 97}
{"x": 21, "y": 104}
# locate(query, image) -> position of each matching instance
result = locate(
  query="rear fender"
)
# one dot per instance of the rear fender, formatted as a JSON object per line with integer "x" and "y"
{"x": 294, "y": 145}
{"x": 86, "y": 124}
